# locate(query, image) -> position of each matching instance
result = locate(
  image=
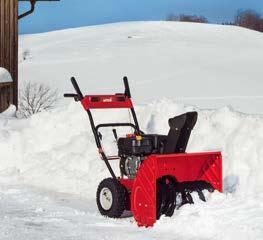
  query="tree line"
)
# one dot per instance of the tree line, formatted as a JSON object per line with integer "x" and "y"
{"x": 243, "y": 18}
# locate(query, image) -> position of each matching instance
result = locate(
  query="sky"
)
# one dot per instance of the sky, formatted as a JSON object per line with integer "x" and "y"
{"x": 49, "y": 16}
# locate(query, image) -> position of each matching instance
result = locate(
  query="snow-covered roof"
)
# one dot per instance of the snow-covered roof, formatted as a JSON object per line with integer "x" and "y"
{"x": 5, "y": 76}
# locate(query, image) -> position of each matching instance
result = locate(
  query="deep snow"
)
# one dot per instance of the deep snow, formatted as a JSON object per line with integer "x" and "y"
{"x": 59, "y": 145}
{"x": 55, "y": 153}
{"x": 49, "y": 166}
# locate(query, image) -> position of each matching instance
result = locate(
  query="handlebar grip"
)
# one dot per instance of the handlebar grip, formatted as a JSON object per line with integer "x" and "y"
{"x": 127, "y": 88}
{"x": 76, "y": 86}
{"x": 70, "y": 95}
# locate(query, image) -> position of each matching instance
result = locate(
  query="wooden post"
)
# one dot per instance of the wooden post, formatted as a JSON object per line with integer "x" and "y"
{"x": 9, "y": 47}
{"x": 9, "y": 51}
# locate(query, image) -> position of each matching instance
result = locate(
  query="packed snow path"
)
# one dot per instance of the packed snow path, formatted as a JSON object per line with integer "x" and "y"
{"x": 29, "y": 213}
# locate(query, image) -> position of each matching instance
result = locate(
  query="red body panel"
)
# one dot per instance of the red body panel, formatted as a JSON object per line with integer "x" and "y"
{"x": 106, "y": 101}
{"x": 183, "y": 167}
{"x": 128, "y": 183}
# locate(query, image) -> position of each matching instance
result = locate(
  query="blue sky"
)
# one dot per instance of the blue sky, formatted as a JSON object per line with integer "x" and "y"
{"x": 50, "y": 16}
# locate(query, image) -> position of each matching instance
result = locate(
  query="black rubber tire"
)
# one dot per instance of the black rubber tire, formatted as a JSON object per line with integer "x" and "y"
{"x": 119, "y": 198}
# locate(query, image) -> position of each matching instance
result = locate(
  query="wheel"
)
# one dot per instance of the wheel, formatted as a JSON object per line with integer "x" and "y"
{"x": 111, "y": 198}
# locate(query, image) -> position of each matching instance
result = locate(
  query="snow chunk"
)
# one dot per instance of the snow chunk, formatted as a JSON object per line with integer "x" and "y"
{"x": 9, "y": 112}
{"x": 5, "y": 76}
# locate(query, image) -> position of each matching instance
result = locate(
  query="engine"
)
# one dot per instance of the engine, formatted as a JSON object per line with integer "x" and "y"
{"x": 129, "y": 165}
{"x": 134, "y": 149}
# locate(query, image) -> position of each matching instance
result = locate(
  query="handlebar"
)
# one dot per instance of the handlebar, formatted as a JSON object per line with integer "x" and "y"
{"x": 104, "y": 125}
{"x": 76, "y": 86}
{"x": 70, "y": 95}
{"x": 78, "y": 96}
{"x": 127, "y": 88}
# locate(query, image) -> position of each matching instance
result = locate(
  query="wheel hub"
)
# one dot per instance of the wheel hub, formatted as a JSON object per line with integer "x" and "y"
{"x": 106, "y": 198}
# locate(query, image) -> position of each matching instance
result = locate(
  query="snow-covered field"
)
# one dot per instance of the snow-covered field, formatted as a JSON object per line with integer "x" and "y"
{"x": 49, "y": 167}
{"x": 206, "y": 65}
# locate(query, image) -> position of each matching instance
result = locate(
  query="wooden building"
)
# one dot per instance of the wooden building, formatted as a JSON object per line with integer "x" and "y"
{"x": 9, "y": 50}
{"x": 9, "y": 47}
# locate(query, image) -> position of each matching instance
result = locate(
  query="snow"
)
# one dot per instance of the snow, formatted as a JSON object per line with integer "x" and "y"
{"x": 49, "y": 165}
{"x": 55, "y": 154}
{"x": 9, "y": 112}
{"x": 5, "y": 76}
{"x": 59, "y": 145}
{"x": 209, "y": 66}
{"x": 37, "y": 214}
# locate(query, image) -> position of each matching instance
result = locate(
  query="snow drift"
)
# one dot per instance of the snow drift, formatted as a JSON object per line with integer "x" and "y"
{"x": 161, "y": 59}
{"x": 59, "y": 145}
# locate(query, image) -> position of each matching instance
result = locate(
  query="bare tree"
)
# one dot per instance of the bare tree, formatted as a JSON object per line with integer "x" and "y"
{"x": 249, "y": 19}
{"x": 187, "y": 18}
{"x": 228, "y": 23}
{"x": 35, "y": 98}
{"x": 193, "y": 18}
{"x": 172, "y": 17}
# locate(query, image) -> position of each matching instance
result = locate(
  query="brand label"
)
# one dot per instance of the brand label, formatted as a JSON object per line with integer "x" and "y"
{"x": 107, "y": 100}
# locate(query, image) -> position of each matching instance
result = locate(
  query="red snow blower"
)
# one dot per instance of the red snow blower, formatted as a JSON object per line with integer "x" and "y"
{"x": 157, "y": 176}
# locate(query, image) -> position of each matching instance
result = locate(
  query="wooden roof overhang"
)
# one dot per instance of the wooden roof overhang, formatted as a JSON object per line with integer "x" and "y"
{"x": 33, "y": 3}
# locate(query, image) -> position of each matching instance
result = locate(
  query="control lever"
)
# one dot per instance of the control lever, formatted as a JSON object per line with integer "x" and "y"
{"x": 72, "y": 95}
{"x": 100, "y": 135}
{"x": 115, "y": 134}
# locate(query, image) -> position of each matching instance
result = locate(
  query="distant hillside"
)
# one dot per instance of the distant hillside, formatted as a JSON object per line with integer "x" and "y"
{"x": 206, "y": 65}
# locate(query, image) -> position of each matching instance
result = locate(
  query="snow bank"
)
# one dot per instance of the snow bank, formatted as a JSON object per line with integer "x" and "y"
{"x": 5, "y": 76}
{"x": 56, "y": 150}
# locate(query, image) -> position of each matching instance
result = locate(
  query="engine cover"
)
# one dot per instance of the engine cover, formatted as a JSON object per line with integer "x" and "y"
{"x": 132, "y": 146}
{"x": 134, "y": 149}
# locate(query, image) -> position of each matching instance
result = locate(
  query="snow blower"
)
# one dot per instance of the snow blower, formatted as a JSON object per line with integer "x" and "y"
{"x": 157, "y": 176}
